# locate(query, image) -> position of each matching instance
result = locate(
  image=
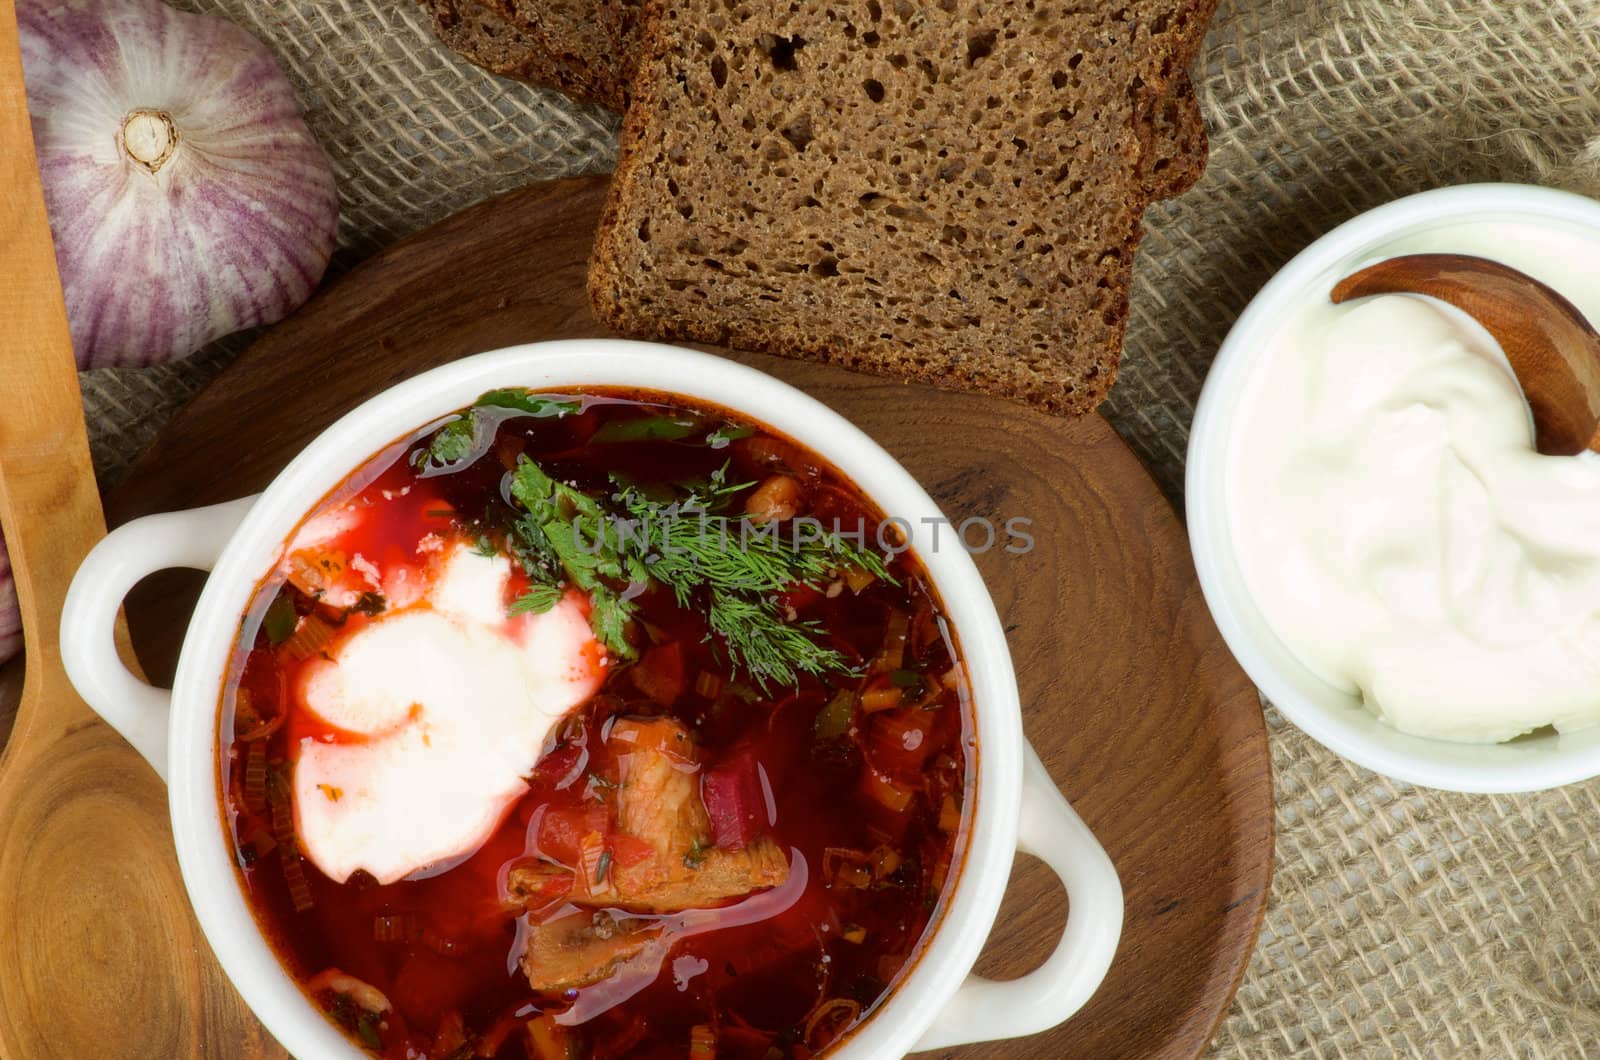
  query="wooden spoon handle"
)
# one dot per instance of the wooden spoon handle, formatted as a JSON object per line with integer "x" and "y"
{"x": 1553, "y": 349}
{"x": 49, "y": 503}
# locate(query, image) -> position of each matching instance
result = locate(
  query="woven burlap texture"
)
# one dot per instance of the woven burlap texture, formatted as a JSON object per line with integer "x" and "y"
{"x": 1401, "y": 921}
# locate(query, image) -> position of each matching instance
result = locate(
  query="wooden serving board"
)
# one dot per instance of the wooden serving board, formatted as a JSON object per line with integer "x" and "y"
{"x": 1130, "y": 696}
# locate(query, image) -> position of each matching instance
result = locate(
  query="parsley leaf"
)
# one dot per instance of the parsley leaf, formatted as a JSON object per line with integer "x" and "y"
{"x": 569, "y": 526}
{"x": 450, "y": 446}
{"x": 536, "y": 601}
{"x": 536, "y": 405}
{"x": 648, "y": 428}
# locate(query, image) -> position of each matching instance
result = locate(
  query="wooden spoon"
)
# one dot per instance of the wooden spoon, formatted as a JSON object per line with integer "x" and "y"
{"x": 1553, "y": 350}
{"x": 99, "y": 953}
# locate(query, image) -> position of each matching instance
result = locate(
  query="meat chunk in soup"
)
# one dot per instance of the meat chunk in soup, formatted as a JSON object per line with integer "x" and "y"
{"x": 658, "y": 804}
{"x": 583, "y": 948}
{"x": 674, "y": 866}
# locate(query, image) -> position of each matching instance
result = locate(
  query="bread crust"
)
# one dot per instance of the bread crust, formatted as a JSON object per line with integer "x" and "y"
{"x": 572, "y": 33}
{"x": 484, "y": 33}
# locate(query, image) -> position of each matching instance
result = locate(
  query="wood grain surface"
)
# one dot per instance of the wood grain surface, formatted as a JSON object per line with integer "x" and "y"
{"x": 1130, "y": 696}
{"x": 99, "y": 954}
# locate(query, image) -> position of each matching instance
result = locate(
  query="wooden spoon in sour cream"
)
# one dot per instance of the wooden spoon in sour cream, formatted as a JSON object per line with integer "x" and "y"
{"x": 1553, "y": 350}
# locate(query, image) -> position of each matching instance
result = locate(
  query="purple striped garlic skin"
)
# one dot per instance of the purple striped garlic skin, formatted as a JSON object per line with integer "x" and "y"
{"x": 10, "y": 610}
{"x": 187, "y": 198}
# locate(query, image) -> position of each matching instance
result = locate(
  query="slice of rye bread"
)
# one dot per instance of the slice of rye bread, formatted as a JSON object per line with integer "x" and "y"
{"x": 480, "y": 32}
{"x": 573, "y": 33}
{"x": 950, "y": 193}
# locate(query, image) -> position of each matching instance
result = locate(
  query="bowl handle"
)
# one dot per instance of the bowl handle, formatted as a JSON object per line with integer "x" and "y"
{"x": 89, "y": 616}
{"x": 984, "y": 1010}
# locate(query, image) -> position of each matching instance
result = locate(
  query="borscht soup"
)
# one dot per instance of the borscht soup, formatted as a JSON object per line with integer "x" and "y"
{"x": 597, "y": 724}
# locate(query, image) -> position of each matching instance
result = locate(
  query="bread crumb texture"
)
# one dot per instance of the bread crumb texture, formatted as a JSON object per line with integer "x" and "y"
{"x": 949, "y": 192}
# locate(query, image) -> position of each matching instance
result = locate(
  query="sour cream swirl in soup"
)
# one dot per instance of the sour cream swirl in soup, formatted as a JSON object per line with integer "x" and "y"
{"x": 1393, "y": 521}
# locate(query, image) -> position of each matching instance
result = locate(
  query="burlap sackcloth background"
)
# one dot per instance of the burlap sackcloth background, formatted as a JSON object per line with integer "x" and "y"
{"x": 1401, "y": 921}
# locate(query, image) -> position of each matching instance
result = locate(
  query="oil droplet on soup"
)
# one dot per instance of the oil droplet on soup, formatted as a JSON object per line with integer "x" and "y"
{"x": 576, "y": 731}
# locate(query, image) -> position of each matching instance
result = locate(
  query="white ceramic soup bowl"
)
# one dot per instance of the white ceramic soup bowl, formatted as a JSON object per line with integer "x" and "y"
{"x": 1333, "y": 717}
{"x": 937, "y": 1002}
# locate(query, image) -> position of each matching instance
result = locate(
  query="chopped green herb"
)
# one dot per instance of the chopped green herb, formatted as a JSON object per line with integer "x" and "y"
{"x": 833, "y": 721}
{"x": 567, "y": 525}
{"x": 599, "y": 786}
{"x": 905, "y": 678}
{"x": 367, "y": 1027}
{"x": 726, "y": 434}
{"x": 536, "y": 601}
{"x": 730, "y": 569}
{"x": 696, "y": 855}
{"x": 535, "y": 405}
{"x": 485, "y": 547}
{"x": 451, "y": 445}
{"x": 371, "y": 604}
{"x": 280, "y": 620}
{"x": 648, "y": 429}
{"x": 603, "y": 867}
{"x": 712, "y": 493}
{"x": 766, "y": 645}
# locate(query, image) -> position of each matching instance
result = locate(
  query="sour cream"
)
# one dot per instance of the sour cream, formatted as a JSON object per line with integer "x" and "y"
{"x": 1395, "y": 525}
{"x": 442, "y": 708}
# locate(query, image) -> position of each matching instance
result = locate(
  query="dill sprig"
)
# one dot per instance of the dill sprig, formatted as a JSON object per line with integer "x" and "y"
{"x": 729, "y": 568}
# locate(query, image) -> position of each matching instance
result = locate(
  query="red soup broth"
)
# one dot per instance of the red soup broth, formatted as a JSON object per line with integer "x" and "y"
{"x": 861, "y": 777}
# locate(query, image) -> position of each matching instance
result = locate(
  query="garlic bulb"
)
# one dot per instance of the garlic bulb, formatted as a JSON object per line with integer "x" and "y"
{"x": 187, "y": 197}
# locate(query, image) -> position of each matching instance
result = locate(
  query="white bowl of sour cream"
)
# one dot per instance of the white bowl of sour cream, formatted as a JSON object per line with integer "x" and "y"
{"x": 1396, "y": 568}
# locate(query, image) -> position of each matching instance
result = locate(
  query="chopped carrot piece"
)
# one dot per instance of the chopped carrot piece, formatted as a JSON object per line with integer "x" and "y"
{"x": 707, "y": 685}
{"x": 313, "y": 570}
{"x": 451, "y": 1036}
{"x": 659, "y": 674}
{"x": 884, "y": 698}
{"x": 858, "y": 578}
{"x": 949, "y": 814}
{"x": 547, "y": 1040}
{"x": 890, "y": 794}
{"x": 896, "y": 630}
{"x": 630, "y": 851}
